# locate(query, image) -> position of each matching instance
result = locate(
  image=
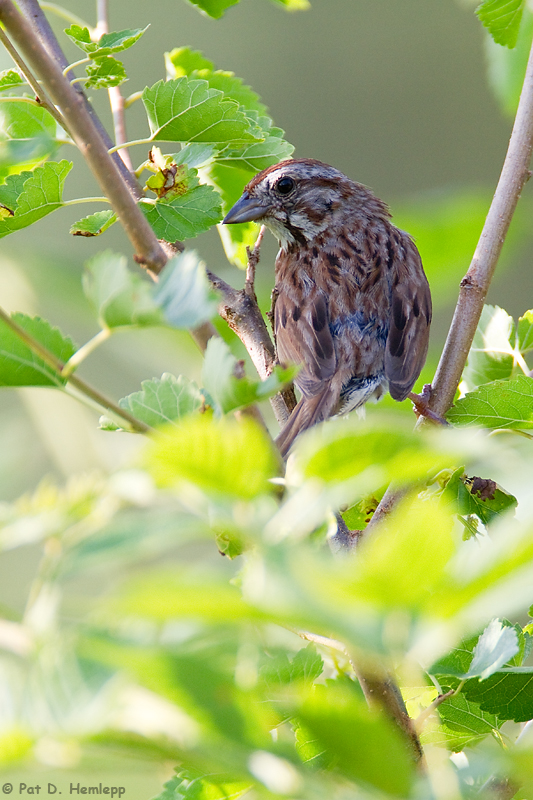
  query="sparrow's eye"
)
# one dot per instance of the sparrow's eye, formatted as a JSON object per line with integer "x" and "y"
{"x": 285, "y": 185}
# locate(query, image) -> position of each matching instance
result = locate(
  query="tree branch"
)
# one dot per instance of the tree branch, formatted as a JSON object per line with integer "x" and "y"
{"x": 475, "y": 284}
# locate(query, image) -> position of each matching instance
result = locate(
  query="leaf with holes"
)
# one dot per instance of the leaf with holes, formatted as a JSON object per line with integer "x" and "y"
{"x": 19, "y": 365}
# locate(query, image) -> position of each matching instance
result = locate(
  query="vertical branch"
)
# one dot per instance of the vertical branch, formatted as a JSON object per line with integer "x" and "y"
{"x": 476, "y": 282}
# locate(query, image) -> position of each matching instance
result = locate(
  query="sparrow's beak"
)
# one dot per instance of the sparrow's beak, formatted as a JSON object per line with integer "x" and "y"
{"x": 246, "y": 209}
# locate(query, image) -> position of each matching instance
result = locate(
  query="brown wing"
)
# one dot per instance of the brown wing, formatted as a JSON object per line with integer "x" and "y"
{"x": 407, "y": 342}
{"x": 303, "y": 337}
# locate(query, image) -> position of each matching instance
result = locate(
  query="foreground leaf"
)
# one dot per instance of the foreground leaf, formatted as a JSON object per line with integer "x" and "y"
{"x": 501, "y": 404}
{"x": 219, "y": 456}
{"x": 94, "y": 224}
{"x": 19, "y": 366}
{"x": 177, "y": 217}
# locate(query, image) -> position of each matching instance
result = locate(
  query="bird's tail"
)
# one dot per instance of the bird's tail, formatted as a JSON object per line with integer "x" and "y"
{"x": 308, "y": 411}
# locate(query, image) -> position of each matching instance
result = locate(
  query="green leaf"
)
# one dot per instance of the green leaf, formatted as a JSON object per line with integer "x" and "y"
{"x": 162, "y": 400}
{"x": 502, "y": 19}
{"x": 213, "y": 8}
{"x": 118, "y": 296}
{"x": 195, "y": 155}
{"x": 233, "y": 88}
{"x": 497, "y": 645}
{"x": 182, "y": 61}
{"x": 508, "y": 693}
{"x": 258, "y": 155}
{"x": 19, "y": 366}
{"x": 221, "y": 456}
{"x": 184, "y": 210}
{"x": 107, "y": 44}
{"x": 525, "y": 332}
{"x": 94, "y": 224}
{"x": 480, "y": 496}
{"x": 491, "y": 355}
{"x": 32, "y": 195}
{"x": 105, "y": 72}
{"x": 337, "y": 717}
{"x": 307, "y": 665}
{"x": 28, "y": 134}
{"x": 293, "y": 5}
{"x": 184, "y": 110}
{"x": 463, "y": 723}
{"x": 192, "y": 785}
{"x": 10, "y": 79}
{"x": 184, "y": 293}
{"x": 230, "y": 392}
{"x": 501, "y": 404}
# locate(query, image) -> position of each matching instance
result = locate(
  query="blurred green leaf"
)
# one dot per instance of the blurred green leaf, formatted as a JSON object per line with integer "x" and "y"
{"x": 118, "y": 296}
{"x": 184, "y": 110}
{"x": 525, "y": 332}
{"x": 19, "y": 366}
{"x": 213, "y": 8}
{"x": 293, "y": 5}
{"x": 183, "y": 292}
{"x": 31, "y": 195}
{"x": 336, "y": 715}
{"x": 506, "y": 68}
{"x": 162, "y": 400}
{"x": 306, "y": 665}
{"x": 94, "y": 224}
{"x": 497, "y": 645}
{"x": 236, "y": 238}
{"x": 105, "y": 71}
{"x": 500, "y": 404}
{"x": 182, "y": 61}
{"x": 189, "y": 785}
{"x": 108, "y": 43}
{"x": 502, "y": 19}
{"x": 10, "y": 79}
{"x": 221, "y": 456}
{"x": 230, "y": 392}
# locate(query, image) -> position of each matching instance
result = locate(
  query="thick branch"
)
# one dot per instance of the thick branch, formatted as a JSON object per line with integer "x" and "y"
{"x": 476, "y": 282}
{"x": 36, "y": 17}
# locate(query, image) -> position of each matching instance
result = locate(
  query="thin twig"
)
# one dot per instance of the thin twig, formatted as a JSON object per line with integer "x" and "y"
{"x": 422, "y": 717}
{"x": 475, "y": 284}
{"x": 86, "y": 136}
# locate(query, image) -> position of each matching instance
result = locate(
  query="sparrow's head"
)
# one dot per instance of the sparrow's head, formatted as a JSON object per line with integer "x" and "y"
{"x": 299, "y": 199}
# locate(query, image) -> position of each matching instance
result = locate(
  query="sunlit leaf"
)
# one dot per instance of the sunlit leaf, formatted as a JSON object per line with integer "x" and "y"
{"x": 218, "y": 455}
{"x": 491, "y": 354}
{"x": 502, "y": 18}
{"x": 506, "y": 68}
{"x": 501, "y": 404}
{"x": 10, "y": 79}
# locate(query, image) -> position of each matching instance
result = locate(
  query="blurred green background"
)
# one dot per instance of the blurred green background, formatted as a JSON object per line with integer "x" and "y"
{"x": 393, "y": 93}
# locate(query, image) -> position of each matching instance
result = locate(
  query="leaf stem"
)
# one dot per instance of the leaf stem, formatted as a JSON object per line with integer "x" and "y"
{"x": 63, "y": 13}
{"x": 128, "y": 144}
{"x": 84, "y": 351}
{"x": 57, "y": 365}
{"x": 74, "y": 64}
{"x": 77, "y": 200}
{"x": 132, "y": 98}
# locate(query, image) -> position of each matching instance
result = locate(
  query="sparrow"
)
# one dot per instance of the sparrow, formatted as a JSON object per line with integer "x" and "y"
{"x": 352, "y": 302}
